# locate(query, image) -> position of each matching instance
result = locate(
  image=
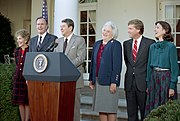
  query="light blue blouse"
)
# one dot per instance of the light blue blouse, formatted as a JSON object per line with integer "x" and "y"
{"x": 163, "y": 55}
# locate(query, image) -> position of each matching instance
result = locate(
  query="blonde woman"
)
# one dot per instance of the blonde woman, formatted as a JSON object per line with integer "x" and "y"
{"x": 20, "y": 92}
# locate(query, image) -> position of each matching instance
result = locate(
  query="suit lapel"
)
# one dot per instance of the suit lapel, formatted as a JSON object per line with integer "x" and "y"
{"x": 35, "y": 43}
{"x": 141, "y": 48}
{"x": 60, "y": 44}
{"x": 129, "y": 50}
{"x": 70, "y": 44}
{"x": 97, "y": 48}
{"x": 46, "y": 38}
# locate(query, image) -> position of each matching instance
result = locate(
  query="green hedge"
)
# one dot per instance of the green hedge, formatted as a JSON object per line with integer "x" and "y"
{"x": 8, "y": 112}
{"x": 168, "y": 112}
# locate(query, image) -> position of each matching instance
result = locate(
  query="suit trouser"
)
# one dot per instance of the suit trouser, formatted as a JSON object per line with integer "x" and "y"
{"x": 135, "y": 99}
{"x": 77, "y": 105}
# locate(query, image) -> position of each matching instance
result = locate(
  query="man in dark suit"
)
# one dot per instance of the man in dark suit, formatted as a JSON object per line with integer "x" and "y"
{"x": 74, "y": 47}
{"x": 43, "y": 40}
{"x": 136, "y": 52}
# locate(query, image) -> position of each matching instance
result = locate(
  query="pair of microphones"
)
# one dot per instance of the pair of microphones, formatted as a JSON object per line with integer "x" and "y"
{"x": 51, "y": 47}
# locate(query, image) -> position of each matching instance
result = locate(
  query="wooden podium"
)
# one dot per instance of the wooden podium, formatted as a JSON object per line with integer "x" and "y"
{"x": 51, "y": 86}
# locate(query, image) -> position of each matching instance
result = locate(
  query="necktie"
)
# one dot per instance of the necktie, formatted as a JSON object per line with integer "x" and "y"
{"x": 40, "y": 42}
{"x": 65, "y": 45}
{"x": 134, "y": 50}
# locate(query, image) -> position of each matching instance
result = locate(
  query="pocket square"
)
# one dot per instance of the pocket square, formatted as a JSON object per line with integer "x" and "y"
{"x": 73, "y": 47}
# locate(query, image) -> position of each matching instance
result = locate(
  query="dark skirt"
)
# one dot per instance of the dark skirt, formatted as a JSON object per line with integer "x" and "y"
{"x": 158, "y": 90}
{"x": 20, "y": 92}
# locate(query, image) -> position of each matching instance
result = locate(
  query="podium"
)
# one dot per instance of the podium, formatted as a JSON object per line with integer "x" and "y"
{"x": 51, "y": 79}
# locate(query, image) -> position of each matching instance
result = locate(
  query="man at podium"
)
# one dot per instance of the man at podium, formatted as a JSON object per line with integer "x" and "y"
{"x": 74, "y": 48}
{"x": 43, "y": 40}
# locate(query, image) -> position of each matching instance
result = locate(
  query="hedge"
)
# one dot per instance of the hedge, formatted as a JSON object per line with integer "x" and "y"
{"x": 167, "y": 112}
{"x": 8, "y": 111}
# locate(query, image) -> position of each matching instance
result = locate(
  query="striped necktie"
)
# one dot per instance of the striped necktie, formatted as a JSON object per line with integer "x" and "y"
{"x": 40, "y": 43}
{"x": 134, "y": 50}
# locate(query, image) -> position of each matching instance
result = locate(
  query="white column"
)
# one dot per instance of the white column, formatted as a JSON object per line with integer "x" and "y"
{"x": 65, "y": 9}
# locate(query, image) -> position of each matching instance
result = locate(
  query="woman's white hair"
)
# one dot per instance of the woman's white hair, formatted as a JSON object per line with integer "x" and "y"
{"x": 114, "y": 28}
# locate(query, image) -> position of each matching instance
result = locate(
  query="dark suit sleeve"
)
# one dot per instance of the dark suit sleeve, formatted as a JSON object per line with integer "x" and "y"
{"x": 30, "y": 45}
{"x": 54, "y": 37}
{"x": 117, "y": 63}
{"x": 91, "y": 66}
{"x": 124, "y": 48}
{"x": 149, "y": 69}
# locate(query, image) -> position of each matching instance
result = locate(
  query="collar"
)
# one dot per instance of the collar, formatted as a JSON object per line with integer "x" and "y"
{"x": 43, "y": 35}
{"x": 69, "y": 37}
{"x": 139, "y": 39}
{"x": 161, "y": 44}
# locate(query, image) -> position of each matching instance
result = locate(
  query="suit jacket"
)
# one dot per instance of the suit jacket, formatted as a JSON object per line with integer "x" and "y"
{"x": 48, "y": 39}
{"x": 110, "y": 65}
{"x": 138, "y": 68}
{"x": 76, "y": 52}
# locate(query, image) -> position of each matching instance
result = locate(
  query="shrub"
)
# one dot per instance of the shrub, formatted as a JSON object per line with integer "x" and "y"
{"x": 7, "y": 43}
{"x": 8, "y": 112}
{"x": 167, "y": 112}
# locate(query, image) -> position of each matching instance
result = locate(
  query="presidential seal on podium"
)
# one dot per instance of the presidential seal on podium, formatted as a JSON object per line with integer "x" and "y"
{"x": 40, "y": 63}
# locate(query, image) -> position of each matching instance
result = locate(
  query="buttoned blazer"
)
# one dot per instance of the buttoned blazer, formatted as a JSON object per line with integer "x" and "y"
{"x": 110, "y": 65}
{"x": 19, "y": 60}
{"x": 138, "y": 68}
{"x": 76, "y": 52}
{"x": 48, "y": 39}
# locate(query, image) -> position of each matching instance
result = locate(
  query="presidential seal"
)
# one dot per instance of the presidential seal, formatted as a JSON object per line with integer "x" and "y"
{"x": 40, "y": 63}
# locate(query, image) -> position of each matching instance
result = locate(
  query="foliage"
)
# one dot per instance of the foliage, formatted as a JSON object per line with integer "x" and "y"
{"x": 7, "y": 43}
{"x": 168, "y": 112}
{"x": 8, "y": 112}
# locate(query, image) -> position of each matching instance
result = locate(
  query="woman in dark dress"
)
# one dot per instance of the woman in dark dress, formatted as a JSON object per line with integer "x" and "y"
{"x": 162, "y": 68}
{"x": 20, "y": 93}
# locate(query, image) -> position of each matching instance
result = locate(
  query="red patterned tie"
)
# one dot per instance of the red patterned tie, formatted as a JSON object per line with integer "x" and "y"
{"x": 134, "y": 50}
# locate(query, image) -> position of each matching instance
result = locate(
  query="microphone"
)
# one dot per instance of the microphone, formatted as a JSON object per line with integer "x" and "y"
{"x": 51, "y": 46}
{"x": 54, "y": 46}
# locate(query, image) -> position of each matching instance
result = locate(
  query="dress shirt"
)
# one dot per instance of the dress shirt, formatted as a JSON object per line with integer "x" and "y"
{"x": 138, "y": 42}
{"x": 69, "y": 37}
{"x": 43, "y": 36}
